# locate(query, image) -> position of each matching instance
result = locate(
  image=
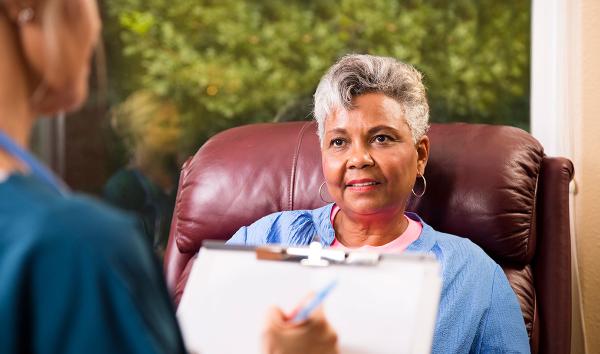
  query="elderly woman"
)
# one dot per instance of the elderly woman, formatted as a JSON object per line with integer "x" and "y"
{"x": 75, "y": 275}
{"x": 372, "y": 117}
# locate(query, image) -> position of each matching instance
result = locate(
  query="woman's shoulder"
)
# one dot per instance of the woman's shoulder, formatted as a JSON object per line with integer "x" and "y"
{"x": 290, "y": 215}
{"x": 44, "y": 217}
{"x": 464, "y": 265}
{"x": 44, "y": 227}
{"x": 284, "y": 227}
{"x": 86, "y": 216}
{"x": 285, "y": 218}
{"x": 458, "y": 251}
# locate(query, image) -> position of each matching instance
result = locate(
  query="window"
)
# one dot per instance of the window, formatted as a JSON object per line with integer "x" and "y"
{"x": 170, "y": 74}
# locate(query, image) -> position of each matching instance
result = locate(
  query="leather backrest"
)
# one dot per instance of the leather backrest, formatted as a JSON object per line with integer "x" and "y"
{"x": 481, "y": 184}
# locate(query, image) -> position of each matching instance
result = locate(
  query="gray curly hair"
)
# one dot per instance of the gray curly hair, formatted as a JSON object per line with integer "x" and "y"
{"x": 357, "y": 74}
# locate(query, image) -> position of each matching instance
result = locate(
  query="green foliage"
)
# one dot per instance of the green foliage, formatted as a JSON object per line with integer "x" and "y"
{"x": 230, "y": 62}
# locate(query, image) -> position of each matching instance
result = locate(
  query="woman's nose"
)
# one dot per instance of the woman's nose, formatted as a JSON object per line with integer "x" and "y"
{"x": 360, "y": 158}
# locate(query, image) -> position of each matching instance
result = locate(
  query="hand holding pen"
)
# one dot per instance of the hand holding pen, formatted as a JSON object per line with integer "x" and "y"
{"x": 304, "y": 330}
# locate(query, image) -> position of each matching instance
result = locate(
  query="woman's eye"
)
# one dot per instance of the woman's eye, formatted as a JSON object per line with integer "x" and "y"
{"x": 382, "y": 138}
{"x": 337, "y": 142}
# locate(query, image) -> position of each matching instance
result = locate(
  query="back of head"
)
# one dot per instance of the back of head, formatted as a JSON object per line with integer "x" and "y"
{"x": 53, "y": 40}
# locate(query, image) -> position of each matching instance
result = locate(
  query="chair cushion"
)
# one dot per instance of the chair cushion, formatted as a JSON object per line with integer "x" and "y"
{"x": 481, "y": 184}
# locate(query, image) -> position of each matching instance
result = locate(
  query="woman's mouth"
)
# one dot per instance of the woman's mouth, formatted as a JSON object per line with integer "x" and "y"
{"x": 362, "y": 185}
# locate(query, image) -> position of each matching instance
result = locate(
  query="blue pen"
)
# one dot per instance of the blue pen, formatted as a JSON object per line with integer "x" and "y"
{"x": 315, "y": 302}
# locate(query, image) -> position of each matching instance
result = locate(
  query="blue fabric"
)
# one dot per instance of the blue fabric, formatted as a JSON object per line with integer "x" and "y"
{"x": 478, "y": 313}
{"x": 36, "y": 167}
{"x": 77, "y": 277}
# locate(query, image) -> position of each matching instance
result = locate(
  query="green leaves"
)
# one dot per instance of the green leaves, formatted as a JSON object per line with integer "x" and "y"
{"x": 137, "y": 22}
{"x": 231, "y": 62}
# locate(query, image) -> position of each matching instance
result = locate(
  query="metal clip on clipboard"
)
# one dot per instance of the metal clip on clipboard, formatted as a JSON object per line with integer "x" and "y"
{"x": 316, "y": 256}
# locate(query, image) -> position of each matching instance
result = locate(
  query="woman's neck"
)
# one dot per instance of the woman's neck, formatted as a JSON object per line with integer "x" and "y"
{"x": 370, "y": 230}
{"x": 16, "y": 118}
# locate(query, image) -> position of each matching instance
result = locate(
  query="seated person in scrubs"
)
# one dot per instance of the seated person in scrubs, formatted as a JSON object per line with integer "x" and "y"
{"x": 75, "y": 275}
{"x": 372, "y": 117}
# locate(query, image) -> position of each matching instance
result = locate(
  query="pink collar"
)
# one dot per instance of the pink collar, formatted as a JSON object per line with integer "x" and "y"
{"x": 399, "y": 244}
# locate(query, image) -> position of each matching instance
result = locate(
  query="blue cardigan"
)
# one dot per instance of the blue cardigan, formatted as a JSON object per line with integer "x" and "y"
{"x": 478, "y": 313}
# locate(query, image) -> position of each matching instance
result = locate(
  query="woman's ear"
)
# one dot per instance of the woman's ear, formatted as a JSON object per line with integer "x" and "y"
{"x": 422, "y": 153}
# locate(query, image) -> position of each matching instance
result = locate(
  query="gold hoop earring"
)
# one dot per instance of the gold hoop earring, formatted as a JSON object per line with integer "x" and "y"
{"x": 321, "y": 194}
{"x": 424, "y": 186}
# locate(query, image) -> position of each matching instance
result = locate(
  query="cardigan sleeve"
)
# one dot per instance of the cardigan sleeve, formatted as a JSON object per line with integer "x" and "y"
{"x": 504, "y": 328}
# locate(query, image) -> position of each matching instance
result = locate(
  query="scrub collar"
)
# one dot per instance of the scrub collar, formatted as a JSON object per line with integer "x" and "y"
{"x": 37, "y": 168}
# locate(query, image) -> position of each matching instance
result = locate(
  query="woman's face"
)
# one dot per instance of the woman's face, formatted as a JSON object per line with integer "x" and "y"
{"x": 370, "y": 161}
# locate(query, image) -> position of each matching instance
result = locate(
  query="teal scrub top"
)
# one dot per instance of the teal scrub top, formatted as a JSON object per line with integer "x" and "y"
{"x": 77, "y": 277}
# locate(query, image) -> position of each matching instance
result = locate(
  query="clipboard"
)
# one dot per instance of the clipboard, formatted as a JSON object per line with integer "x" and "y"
{"x": 382, "y": 303}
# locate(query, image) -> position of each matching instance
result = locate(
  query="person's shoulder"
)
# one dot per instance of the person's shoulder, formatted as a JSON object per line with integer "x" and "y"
{"x": 461, "y": 252}
{"x": 465, "y": 265}
{"x": 290, "y": 217}
{"x": 39, "y": 211}
{"x": 458, "y": 243}
{"x": 42, "y": 227}
{"x": 83, "y": 217}
{"x": 76, "y": 222}
{"x": 282, "y": 227}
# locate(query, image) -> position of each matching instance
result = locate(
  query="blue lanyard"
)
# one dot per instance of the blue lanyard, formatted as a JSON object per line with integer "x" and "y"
{"x": 36, "y": 167}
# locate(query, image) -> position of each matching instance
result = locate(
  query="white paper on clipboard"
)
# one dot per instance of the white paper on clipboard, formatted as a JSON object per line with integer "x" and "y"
{"x": 390, "y": 307}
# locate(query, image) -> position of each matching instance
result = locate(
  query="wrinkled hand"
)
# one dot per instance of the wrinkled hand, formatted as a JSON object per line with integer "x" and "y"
{"x": 282, "y": 336}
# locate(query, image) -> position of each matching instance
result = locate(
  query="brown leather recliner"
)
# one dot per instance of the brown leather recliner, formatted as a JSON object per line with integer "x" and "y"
{"x": 492, "y": 184}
